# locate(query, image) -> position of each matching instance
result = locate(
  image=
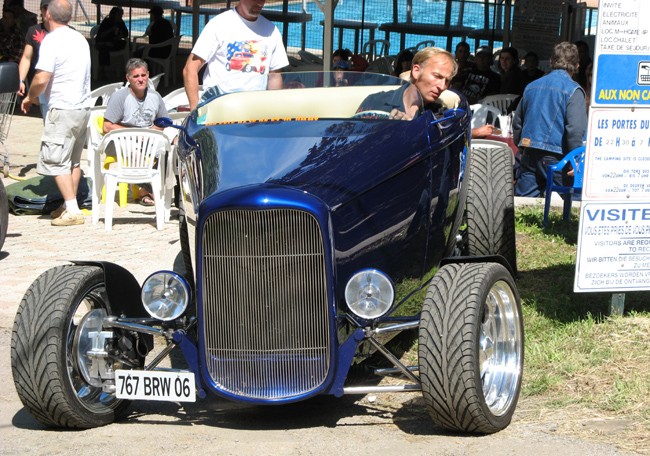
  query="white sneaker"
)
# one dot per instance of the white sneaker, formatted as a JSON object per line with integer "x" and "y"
{"x": 68, "y": 219}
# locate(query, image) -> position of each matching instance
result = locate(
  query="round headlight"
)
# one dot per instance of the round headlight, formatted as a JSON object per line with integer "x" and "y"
{"x": 165, "y": 295}
{"x": 369, "y": 294}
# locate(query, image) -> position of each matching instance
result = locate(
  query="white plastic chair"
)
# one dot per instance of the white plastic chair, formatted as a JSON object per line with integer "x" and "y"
{"x": 104, "y": 92}
{"x": 177, "y": 98}
{"x": 155, "y": 80}
{"x": 94, "y": 137}
{"x": 373, "y": 49}
{"x": 172, "y": 160}
{"x": 95, "y": 133}
{"x": 137, "y": 151}
{"x": 168, "y": 64}
{"x": 483, "y": 114}
{"x": 501, "y": 101}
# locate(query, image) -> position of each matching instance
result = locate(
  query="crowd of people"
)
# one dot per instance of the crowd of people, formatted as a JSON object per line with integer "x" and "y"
{"x": 54, "y": 67}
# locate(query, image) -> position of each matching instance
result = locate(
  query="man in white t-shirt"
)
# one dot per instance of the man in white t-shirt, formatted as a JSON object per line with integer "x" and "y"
{"x": 63, "y": 73}
{"x": 242, "y": 50}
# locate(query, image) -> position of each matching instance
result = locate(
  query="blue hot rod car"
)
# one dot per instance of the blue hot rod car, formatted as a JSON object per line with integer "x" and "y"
{"x": 311, "y": 234}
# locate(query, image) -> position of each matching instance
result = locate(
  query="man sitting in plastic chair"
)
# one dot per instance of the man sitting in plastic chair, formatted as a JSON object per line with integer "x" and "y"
{"x": 136, "y": 105}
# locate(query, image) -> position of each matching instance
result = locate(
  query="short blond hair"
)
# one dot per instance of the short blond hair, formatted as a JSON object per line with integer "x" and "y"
{"x": 425, "y": 54}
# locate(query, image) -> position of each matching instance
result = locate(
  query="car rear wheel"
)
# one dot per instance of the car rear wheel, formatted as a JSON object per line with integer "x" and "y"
{"x": 471, "y": 347}
{"x": 490, "y": 207}
{"x": 46, "y": 364}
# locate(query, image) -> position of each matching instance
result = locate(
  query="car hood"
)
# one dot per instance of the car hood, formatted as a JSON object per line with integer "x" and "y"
{"x": 332, "y": 160}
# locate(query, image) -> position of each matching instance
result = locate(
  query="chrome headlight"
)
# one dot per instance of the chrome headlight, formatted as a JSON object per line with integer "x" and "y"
{"x": 369, "y": 294}
{"x": 165, "y": 295}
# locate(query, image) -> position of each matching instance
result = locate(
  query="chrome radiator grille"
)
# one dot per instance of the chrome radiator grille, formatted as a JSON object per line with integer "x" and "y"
{"x": 265, "y": 303}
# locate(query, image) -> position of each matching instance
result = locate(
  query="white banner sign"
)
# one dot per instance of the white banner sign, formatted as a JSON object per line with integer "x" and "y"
{"x": 614, "y": 237}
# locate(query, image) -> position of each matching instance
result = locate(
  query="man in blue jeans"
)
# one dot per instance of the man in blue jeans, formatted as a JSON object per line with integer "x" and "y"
{"x": 550, "y": 121}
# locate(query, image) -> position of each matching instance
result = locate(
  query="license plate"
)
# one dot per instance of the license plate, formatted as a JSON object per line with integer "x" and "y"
{"x": 155, "y": 385}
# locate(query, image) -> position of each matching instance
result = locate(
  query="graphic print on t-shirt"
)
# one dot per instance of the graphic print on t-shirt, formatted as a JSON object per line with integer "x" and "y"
{"x": 475, "y": 87}
{"x": 38, "y": 36}
{"x": 247, "y": 56}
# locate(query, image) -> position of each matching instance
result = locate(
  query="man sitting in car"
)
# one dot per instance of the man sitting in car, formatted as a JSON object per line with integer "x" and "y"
{"x": 432, "y": 70}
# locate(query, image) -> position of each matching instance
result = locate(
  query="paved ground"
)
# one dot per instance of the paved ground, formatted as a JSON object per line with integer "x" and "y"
{"x": 33, "y": 245}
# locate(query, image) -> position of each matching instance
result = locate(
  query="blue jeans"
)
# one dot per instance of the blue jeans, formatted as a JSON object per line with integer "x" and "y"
{"x": 532, "y": 178}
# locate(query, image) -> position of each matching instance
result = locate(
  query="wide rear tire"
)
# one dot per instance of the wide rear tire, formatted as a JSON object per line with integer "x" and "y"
{"x": 490, "y": 206}
{"x": 44, "y": 364}
{"x": 471, "y": 347}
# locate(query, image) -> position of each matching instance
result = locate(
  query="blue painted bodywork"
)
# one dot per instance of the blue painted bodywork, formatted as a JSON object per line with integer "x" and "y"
{"x": 385, "y": 194}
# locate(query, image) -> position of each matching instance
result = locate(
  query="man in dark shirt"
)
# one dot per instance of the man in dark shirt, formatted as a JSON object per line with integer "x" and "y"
{"x": 11, "y": 38}
{"x": 159, "y": 30}
{"x": 432, "y": 70}
{"x": 479, "y": 81}
{"x": 33, "y": 39}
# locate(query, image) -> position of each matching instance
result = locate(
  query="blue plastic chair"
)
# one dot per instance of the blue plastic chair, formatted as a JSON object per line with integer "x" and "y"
{"x": 577, "y": 159}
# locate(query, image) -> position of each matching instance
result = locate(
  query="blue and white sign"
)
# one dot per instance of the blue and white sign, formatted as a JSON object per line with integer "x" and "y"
{"x": 614, "y": 247}
{"x": 618, "y": 165}
{"x": 622, "y": 66}
{"x": 614, "y": 237}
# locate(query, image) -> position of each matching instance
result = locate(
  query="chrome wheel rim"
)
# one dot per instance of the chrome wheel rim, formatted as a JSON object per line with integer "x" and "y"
{"x": 500, "y": 348}
{"x": 91, "y": 398}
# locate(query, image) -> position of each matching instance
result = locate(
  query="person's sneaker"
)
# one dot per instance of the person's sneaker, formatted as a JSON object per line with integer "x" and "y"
{"x": 68, "y": 219}
{"x": 56, "y": 213}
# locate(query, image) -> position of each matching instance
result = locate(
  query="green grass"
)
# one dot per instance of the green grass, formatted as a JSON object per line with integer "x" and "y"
{"x": 576, "y": 354}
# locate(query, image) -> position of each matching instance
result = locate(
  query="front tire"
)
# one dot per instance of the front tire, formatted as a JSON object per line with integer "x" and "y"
{"x": 490, "y": 206}
{"x": 471, "y": 347}
{"x": 44, "y": 364}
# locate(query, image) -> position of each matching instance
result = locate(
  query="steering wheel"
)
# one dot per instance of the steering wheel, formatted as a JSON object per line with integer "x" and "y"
{"x": 372, "y": 114}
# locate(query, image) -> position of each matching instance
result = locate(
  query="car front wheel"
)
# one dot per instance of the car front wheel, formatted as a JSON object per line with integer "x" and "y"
{"x": 49, "y": 369}
{"x": 471, "y": 347}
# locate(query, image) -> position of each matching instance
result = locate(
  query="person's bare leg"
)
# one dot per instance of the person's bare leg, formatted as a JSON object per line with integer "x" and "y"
{"x": 66, "y": 186}
{"x": 76, "y": 178}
